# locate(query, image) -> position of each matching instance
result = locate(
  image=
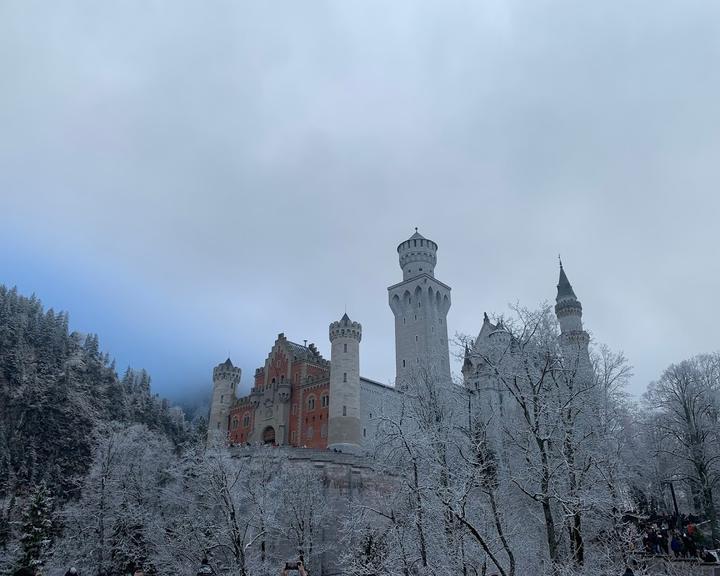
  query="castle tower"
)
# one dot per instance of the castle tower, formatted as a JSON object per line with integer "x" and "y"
{"x": 226, "y": 377}
{"x": 344, "y": 414}
{"x": 568, "y": 309}
{"x": 420, "y": 304}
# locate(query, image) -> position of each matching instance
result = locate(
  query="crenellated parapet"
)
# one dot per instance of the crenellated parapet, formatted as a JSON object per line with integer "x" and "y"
{"x": 418, "y": 255}
{"x": 345, "y": 328}
{"x": 227, "y": 372}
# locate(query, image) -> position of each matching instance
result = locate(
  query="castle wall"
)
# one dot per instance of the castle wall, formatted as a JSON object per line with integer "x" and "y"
{"x": 377, "y": 401}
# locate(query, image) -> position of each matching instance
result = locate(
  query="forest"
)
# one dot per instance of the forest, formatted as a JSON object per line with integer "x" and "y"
{"x": 550, "y": 467}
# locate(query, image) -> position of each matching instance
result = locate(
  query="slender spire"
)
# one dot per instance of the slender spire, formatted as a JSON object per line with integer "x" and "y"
{"x": 564, "y": 288}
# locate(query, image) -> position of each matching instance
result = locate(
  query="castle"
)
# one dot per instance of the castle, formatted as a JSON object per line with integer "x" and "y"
{"x": 301, "y": 399}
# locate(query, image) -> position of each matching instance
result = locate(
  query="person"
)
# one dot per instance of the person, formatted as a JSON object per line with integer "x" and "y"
{"x": 71, "y": 572}
{"x": 205, "y": 568}
{"x": 676, "y": 545}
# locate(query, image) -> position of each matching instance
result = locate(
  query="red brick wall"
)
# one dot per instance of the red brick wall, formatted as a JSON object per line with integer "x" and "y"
{"x": 313, "y": 421}
{"x": 239, "y": 434}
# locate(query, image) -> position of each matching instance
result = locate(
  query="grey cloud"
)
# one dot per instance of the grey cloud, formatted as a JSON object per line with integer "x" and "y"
{"x": 257, "y": 163}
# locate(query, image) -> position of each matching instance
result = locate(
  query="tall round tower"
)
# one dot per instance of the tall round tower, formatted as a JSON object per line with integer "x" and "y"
{"x": 344, "y": 415}
{"x": 568, "y": 309}
{"x": 420, "y": 304}
{"x": 226, "y": 377}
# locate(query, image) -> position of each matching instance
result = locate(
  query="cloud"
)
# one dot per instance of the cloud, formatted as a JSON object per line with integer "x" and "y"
{"x": 247, "y": 169}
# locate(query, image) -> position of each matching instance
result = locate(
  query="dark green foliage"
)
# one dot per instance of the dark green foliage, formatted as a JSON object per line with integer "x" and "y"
{"x": 55, "y": 388}
{"x": 38, "y": 527}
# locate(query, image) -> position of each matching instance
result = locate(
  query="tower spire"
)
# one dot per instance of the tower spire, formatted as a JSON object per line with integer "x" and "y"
{"x": 564, "y": 288}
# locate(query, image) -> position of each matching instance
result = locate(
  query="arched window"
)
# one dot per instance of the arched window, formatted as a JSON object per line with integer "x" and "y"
{"x": 344, "y": 376}
{"x": 235, "y": 423}
{"x": 311, "y": 403}
{"x": 246, "y": 421}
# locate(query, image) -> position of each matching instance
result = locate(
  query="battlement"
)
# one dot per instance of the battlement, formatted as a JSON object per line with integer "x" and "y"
{"x": 226, "y": 371}
{"x": 346, "y": 328}
{"x": 418, "y": 255}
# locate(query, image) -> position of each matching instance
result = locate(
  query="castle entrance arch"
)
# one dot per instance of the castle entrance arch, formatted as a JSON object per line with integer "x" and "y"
{"x": 269, "y": 435}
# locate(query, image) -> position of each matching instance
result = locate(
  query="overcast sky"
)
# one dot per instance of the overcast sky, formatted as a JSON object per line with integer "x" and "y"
{"x": 189, "y": 179}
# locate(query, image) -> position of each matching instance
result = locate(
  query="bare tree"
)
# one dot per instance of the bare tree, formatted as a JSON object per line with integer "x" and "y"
{"x": 685, "y": 400}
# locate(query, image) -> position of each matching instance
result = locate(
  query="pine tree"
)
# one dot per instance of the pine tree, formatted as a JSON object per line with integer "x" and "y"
{"x": 38, "y": 526}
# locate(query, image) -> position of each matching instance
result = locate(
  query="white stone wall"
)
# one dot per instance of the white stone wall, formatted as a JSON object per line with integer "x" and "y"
{"x": 225, "y": 381}
{"x": 420, "y": 306}
{"x": 344, "y": 409}
{"x": 377, "y": 401}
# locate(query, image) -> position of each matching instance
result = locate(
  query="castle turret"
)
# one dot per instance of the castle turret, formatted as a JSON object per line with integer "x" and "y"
{"x": 568, "y": 309}
{"x": 226, "y": 377}
{"x": 344, "y": 430}
{"x": 420, "y": 304}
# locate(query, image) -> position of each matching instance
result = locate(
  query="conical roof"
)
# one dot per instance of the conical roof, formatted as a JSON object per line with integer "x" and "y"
{"x": 564, "y": 287}
{"x": 228, "y": 363}
{"x": 345, "y": 319}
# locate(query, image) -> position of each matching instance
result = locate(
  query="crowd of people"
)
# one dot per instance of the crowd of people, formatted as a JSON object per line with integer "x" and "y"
{"x": 676, "y": 538}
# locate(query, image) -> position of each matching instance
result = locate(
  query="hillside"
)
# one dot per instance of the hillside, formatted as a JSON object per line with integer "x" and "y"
{"x": 56, "y": 388}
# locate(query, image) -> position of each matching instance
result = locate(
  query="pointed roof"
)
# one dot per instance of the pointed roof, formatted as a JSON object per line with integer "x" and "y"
{"x": 417, "y": 236}
{"x": 564, "y": 287}
{"x": 228, "y": 363}
{"x": 345, "y": 318}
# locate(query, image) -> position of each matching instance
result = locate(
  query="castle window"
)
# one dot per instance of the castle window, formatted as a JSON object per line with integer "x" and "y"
{"x": 246, "y": 421}
{"x": 414, "y": 242}
{"x": 344, "y": 410}
{"x": 221, "y": 398}
{"x": 364, "y": 432}
{"x": 311, "y": 403}
{"x": 344, "y": 376}
{"x": 324, "y": 400}
{"x": 344, "y": 347}
{"x": 235, "y": 423}
{"x": 403, "y": 363}
{"x": 293, "y": 436}
{"x": 403, "y": 320}
{"x": 416, "y": 337}
{"x": 294, "y": 409}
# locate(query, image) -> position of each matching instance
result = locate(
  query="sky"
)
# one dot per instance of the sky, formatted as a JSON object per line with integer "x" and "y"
{"x": 189, "y": 179}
